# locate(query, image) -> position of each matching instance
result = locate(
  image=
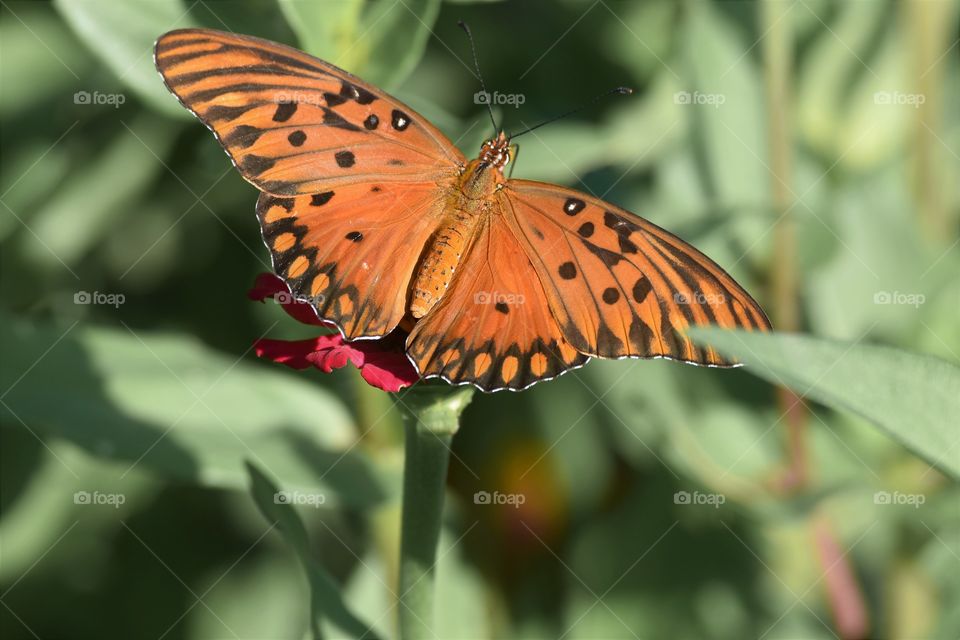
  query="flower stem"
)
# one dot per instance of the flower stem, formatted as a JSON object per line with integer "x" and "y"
{"x": 431, "y": 418}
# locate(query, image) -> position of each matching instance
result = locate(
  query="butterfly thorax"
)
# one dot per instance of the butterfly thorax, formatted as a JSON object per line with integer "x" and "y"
{"x": 467, "y": 206}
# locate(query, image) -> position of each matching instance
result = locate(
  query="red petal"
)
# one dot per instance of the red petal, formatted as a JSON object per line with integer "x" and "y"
{"x": 291, "y": 353}
{"x": 382, "y": 363}
{"x": 390, "y": 372}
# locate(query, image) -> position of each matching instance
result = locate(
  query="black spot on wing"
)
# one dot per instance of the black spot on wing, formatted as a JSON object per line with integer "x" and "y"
{"x": 220, "y": 112}
{"x": 641, "y": 337}
{"x": 279, "y": 187}
{"x": 611, "y": 295}
{"x": 297, "y": 138}
{"x": 626, "y": 245}
{"x": 333, "y": 119}
{"x": 285, "y": 111}
{"x": 255, "y": 164}
{"x": 609, "y": 258}
{"x": 608, "y": 344}
{"x": 573, "y": 206}
{"x": 320, "y": 199}
{"x": 345, "y": 159}
{"x": 567, "y": 271}
{"x": 371, "y": 122}
{"x": 357, "y": 94}
{"x": 399, "y": 120}
{"x": 334, "y": 99}
{"x": 243, "y": 136}
{"x": 641, "y": 288}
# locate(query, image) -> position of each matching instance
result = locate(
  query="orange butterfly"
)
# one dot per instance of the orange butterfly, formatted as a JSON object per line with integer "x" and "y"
{"x": 374, "y": 215}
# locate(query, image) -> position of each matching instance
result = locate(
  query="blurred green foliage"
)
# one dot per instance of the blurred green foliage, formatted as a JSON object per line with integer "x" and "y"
{"x": 658, "y": 500}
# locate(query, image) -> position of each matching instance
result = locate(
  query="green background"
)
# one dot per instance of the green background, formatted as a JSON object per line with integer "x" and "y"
{"x": 838, "y": 518}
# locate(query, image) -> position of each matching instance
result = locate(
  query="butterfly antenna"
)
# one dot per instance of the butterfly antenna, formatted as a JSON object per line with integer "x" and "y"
{"x": 476, "y": 65}
{"x": 618, "y": 90}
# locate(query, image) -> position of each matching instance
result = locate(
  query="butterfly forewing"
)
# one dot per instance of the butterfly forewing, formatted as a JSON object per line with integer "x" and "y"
{"x": 619, "y": 285}
{"x": 293, "y": 124}
{"x": 351, "y": 251}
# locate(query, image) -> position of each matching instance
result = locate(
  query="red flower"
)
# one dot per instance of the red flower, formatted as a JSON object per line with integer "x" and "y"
{"x": 383, "y": 363}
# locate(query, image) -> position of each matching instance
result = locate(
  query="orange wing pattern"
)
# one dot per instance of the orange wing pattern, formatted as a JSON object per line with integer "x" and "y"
{"x": 493, "y": 327}
{"x": 621, "y": 286}
{"x": 356, "y": 188}
{"x": 293, "y": 124}
{"x": 351, "y": 252}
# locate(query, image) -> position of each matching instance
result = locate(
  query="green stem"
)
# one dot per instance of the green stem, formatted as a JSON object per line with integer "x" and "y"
{"x": 778, "y": 63}
{"x": 431, "y": 417}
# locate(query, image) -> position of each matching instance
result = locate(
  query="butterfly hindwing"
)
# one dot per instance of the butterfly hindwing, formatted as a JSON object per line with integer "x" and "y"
{"x": 293, "y": 124}
{"x": 619, "y": 285}
{"x": 351, "y": 252}
{"x": 493, "y": 327}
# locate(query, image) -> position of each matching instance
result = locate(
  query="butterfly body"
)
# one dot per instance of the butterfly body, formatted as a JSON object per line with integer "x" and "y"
{"x": 469, "y": 204}
{"x": 374, "y": 215}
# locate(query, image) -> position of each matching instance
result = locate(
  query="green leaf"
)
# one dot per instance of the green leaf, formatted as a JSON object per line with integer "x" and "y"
{"x": 722, "y": 95}
{"x": 911, "y": 397}
{"x": 88, "y": 203}
{"x": 169, "y": 404}
{"x": 122, "y": 35}
{"x": 325, "y": 599}
{"x": 39, "y": 60}
{"x": 381, "y": 40}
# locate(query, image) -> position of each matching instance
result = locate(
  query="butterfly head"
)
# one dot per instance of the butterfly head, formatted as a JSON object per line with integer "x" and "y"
{"x": 495, "y": 152}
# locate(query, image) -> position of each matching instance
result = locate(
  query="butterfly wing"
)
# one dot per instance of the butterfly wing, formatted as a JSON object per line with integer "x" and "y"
{"x": 493, "y": 326}
{"x": 293, "y": 124}
{"x": 618, "y": 285}
{"x": 351, "y": 252}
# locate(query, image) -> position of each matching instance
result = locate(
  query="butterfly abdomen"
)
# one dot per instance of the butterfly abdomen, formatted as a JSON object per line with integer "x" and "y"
{"x": 441, "y": 259}
{"x": 467, "y": 207}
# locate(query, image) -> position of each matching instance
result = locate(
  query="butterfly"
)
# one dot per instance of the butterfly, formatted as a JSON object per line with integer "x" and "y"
{"x": 375, "y": 217}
